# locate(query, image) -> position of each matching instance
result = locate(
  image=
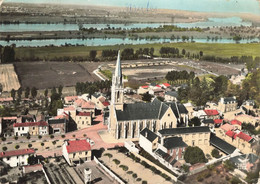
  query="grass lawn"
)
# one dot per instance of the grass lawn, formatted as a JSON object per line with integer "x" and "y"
{"x": 217, "y": 49}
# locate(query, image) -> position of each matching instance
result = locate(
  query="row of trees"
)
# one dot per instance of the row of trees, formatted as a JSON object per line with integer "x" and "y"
{"x": 7, "y": 54}
{"x": 180, "y": 75}
{"x": 92, "y": 87}
{"x": 33, "y": 91}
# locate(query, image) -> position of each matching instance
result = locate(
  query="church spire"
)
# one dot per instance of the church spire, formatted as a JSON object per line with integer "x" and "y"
{"x": 118, "y": 71}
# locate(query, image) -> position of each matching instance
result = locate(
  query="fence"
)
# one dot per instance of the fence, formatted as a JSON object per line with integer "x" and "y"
{"x": 109, "y": 171}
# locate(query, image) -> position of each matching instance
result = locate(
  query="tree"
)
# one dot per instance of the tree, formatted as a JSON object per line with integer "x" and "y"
{"x": 60, "y": 90}
{"x": 195, "y": 122}
{"x": 4, "y": 148}
{"x": 42, "y": 144}
{"x": 201, "y": 54}
{"x": 54, "y": 142}
{"x": 17, "y": 147}
{"x": 39, "y": 136}
{"x": 51, "y": 136}
{"x": 8, "y": 55}
{"x": 16, "y": 138}
{"x": 19, "y": 93}
{"x": 194, "y": 155}
{"x": 215, "y": 153}
{"x": 151, "y": 51}
{"x": 28, "y": 137}
{"x": 13, "y": 94}
{"x": 27, "y": 92}
{"x": 93, "y": 54}
{"x": 229, "y": 166}
{"x": 29, "y": 145}
{"x": 147, "y": 97}
{"x": 183, "y": 52}
{"x": 34, "y": 92}
{"x": 46, "y": 92}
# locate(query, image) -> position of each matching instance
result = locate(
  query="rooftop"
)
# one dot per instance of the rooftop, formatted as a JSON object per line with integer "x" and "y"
{"x": 218, "y": 121}
{"x": 148, "y": 134}
{"x": 211, "y": 112}
{"x": 16, "y": 152}
{"x": 244, "y": 136}
{"x": 40, "y": 123}
{"x": 230, "y": 133}
{"x": 78, "y": 146}
{"x": 84, "y": 114}
{"x": 221, "y": 144}
{"x": 184, "y": 130}
{"x": 235, "y": 122}
{"x": 227, "y": 127}
{"x": 174, "y": 142}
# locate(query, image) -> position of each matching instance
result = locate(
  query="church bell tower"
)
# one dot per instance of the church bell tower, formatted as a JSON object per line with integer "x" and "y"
{"x": 117, "y": 89}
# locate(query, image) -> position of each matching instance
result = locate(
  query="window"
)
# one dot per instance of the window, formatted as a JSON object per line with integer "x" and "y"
{"x": 23, "y": 128}
{"x": 19, "y": 128}
{"x": 205, "y": 141}
{"x": 86, "y": 152}
{"x": 74, "y": 154}
{"x": 33, "y": 128}
{"x": 169, "y": 114}
{"x": 82, "y": 122}
{"x": 8, "y": 158}
{"x": 193, "y": 143}
{"x": 80, "y": 153}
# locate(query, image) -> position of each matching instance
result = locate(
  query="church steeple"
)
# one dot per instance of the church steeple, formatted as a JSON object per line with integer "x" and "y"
{"x": 117, "y": 90}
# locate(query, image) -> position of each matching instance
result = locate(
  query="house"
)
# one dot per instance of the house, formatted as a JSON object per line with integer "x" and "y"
{"x": 31, "y": 128}
{"x": 218, "y": 122}
{"x": 142, "y": 90}
{"x": 16, "y": 157}
{"x": 255, "y": 121}
{"x": 227, "y": 104}
{"x": 148, "y": 140}
{"x": 237, "y": 124}
{"x": 83, "y": 120}
{"x": 212, "y": 113}
{"x": 171, "y": 96}
{"x": 69, "y": 100}
{"x": 86, "y": 106}
{"x": 165, "y": 85}
{"x": 246, "y": 162}
{"x": 76, "y": 152}
{"x": 58, "y": 126}
{"x": 193, "y": 136}
{"x": 100, "y": 101}
{"x": 226, "y": 127}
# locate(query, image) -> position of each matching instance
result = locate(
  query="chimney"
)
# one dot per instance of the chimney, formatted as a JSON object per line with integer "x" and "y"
{"x": 146, "y": 134}
{"x": 222, "y": 100}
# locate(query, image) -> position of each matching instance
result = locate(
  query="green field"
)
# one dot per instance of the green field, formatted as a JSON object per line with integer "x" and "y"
{"x": 220, "y": 50}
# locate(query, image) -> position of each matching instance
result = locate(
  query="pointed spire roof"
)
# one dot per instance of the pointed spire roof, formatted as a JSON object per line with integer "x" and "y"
{"x": 118, "y": 71}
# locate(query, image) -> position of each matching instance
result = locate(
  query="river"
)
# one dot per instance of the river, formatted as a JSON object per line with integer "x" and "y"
{"x": 111, "y": 41}
{"x": 229, "y": 21}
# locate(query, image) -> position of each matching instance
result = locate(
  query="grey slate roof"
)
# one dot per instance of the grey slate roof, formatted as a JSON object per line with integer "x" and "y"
{"x": 153, "y": 110}
{"x": 148, "y": 134}
{"x": 96, "y": 95}
{"x": 172, "y": 93}
{"x": 184, "y": 130}
{"x": 161, "y": 153}
{"x": 221, "y": 144}
{"x": 57, "y": 121}
{"x": 229, "y": 99}
{"x": 174, "y": 142}
{"x": 208, "y": 121}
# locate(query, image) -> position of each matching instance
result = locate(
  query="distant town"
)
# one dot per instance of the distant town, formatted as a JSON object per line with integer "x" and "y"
{"x": 171, "y": 112}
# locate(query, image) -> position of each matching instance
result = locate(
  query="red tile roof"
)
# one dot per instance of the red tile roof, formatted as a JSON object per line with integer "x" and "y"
{"x": 166, "y": 84}
{"x": 144, "y": 87}
{"x": 106, "y": 103}
{"x": 158, "y": 86}
{"x": 40, "y": 123}
{"x": 244, "y": 136}
{"x": 6, "y": 99}
{"x": 218, "y": 121}
{"x": 9, "y": 118}
{"x": 231, "y": 134}
{"x": 211, "y": 112}
{"x": 71, "y": 98}
{"x": 236, "y": 122}
{"x": 78, "y": 146}
{"x": 227, "y": 127}
{"x": 16, "y": 153}
{"x": 84, "y": 114}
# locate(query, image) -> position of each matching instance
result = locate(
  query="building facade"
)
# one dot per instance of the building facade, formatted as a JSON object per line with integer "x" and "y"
{"x": 76, "y": 152}
{"x": 16, "y": 158}
{"x": 227, "y": 104}
{"x": 31, "y": 128}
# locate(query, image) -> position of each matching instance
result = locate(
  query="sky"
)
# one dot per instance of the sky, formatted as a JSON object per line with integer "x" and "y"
{"x": 237, "y": 6}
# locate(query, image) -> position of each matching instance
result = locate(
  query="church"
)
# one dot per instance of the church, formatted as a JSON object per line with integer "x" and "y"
{"x": 126, "y": 121}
